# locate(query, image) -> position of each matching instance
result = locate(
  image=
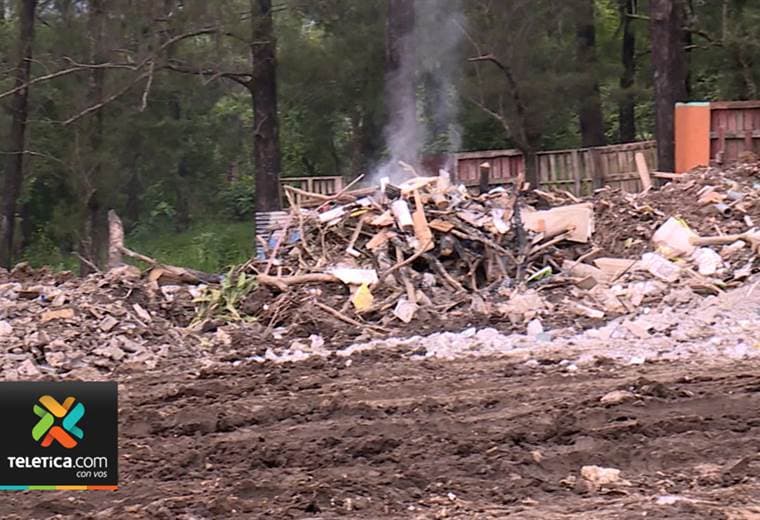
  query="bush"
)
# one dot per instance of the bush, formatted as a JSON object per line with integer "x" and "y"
{"x": 43, "y": 251}
{"x": 236, "y": 199}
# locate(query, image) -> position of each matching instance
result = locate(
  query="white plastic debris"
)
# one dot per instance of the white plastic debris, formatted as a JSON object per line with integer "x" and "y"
{"x": 355, "y": 276}
{"x": 708, "y": 261}
{"x": 660, "y": 267}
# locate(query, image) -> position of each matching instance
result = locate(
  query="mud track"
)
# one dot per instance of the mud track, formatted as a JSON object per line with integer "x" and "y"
{"x": 386, "y": 438}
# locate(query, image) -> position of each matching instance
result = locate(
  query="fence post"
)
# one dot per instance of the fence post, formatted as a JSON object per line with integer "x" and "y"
{"x": 485, "y": 177}
{"x": 577, "y": 173}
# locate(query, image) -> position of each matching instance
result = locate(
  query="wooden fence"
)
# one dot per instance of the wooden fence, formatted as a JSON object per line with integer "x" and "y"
{"x": 571, "y": 170}
{"x": 320, "y": 185}
{"x": 734, "y": 129}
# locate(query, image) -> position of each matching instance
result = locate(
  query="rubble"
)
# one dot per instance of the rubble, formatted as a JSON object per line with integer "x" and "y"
{"x": 569, "y": 273}
{"x": 109, "y": 321}
{"x": 428, "y": 249}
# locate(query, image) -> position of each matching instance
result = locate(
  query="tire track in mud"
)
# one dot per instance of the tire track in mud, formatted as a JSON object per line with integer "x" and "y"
{"x": 386, "y": 438}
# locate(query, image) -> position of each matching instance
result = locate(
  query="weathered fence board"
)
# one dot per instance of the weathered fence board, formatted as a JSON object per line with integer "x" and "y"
{"x": 573, "y": 170}
{"x": 734, "y": 129}
{"x": 320, "y": 185}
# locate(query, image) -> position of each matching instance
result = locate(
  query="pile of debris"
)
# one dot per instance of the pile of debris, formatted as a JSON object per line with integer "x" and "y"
{"x": 427, "y": 251}
{"x": 422, "y": 257}
{"x": 56, "y": 323}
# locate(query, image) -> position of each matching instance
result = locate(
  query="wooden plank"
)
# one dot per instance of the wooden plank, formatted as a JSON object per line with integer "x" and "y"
{"x": 733, "y": 105}
{"x": 576, "y": 169}
{"x": 643, "y": 169}
{"x": 736, "y": 135}
{"x": 553, "y": 174}
{"x": 594, "y": 166}
{"x": 487, "y": 154}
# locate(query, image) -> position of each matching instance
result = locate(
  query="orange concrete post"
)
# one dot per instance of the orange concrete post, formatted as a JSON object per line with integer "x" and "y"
{"x": 692, "y": 136}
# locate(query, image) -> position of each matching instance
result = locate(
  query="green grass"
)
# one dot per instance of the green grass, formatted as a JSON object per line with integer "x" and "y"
{"x": 210, "y": 246}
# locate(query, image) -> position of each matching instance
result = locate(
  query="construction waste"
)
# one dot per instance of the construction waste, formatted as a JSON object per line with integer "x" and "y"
{"x": 430, "y": 250}
{"x": 420, "y": 257}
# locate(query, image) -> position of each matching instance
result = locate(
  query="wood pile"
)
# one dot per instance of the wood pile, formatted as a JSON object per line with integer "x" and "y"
{"x": 423, "y": 243}
{"x": 429, "y": 251}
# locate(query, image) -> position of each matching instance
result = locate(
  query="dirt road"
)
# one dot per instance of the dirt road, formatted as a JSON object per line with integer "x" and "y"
{"x": 388, "y": 438}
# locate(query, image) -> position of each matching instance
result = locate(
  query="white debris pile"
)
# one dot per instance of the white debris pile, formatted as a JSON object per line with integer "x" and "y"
{"x": 727, "y": 326}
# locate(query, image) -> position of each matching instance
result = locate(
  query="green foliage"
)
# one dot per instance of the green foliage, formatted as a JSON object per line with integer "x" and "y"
{"x": 209, "y": 247}
{"x": 236, "y": 199}
{"x": 43, "y": 251}
{"x": 180, "y": 151}
{"x": 222, "y": 302}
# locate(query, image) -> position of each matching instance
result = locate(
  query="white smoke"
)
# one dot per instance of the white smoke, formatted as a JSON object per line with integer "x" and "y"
{"x": 431, "y": 58}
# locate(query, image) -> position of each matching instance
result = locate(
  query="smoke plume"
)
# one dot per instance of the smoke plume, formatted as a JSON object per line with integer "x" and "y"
{"x": 425, "y": 120}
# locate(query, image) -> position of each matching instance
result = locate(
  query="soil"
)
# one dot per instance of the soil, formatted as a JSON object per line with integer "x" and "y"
{"x": 378, "y": 436}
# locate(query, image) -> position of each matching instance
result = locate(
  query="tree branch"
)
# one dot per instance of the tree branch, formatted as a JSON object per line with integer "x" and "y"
{"x": 109, "y": 99}
{"x": 79, "y": 67}
{"x": 243, "y": 78}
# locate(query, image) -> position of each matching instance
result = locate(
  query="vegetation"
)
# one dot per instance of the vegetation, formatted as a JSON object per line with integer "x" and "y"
{"x": 182, "y": 115}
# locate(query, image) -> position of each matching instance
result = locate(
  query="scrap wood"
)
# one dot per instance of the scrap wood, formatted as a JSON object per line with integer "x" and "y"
{"x": 670, "y": 176}
{"x": 421, "y": 229}
{"x": 585, "y": 257}
{"x": 404, "y": 263}
{"x": 476, "y": 249}
{"x": 753, "y": 237}
{"x": 379, "y": 240}
{"x": 302, "y": 235}
{"x": 441, "y": 225}
{"x": 354, "y": 237}
{"x": 535, "y": 251}
{"x": 173, "y": 273}
{"x": 285, "y": 282}
{"x": 348, "y": 196}
{"x": 342, "y": 317}
{"x": 643, "y": 169}
{"x": 117, "y": 249}
{"x": 576, "y": 218}
{"x": 438, "y": 267}
{"x": 342, "y": 192}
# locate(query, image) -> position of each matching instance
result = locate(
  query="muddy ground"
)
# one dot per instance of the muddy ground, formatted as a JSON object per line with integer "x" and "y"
{"x": 388, "y": 438}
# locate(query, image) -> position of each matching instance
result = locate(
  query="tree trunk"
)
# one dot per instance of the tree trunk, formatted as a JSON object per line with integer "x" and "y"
{"x": 2, "y": 10}
{"x": 263, "y": 88}
{"x": 19, "y": 108}
{"x": 93, "y": 240}
{"x": 668, "y": 61}
{"x": 590, "y": 110}
{"x": 532, "y": 175}
{"x": 182, "y": 203}
{"x": 627, "y": 104}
